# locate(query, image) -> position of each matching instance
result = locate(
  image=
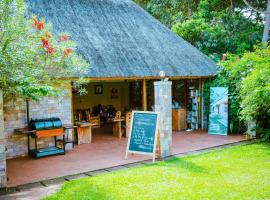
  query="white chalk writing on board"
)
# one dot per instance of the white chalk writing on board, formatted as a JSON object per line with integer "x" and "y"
{"x": 143, "y": 133}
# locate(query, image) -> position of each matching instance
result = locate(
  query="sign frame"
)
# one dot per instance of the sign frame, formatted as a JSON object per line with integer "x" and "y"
{"x": 218, "y": 114}
{"x": 155, "y": 139}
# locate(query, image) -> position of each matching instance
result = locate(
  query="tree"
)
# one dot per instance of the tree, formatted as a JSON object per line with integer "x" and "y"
{"x": 214, "y": 26}
{"x": 33, "y": 62}
{"x": 267, "y": 18}
{"x": 170, "y": 12}
{"x": 218, "y": 32}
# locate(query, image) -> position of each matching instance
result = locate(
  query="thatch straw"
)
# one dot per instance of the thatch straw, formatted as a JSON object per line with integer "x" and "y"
{"x": 120, "y": 39}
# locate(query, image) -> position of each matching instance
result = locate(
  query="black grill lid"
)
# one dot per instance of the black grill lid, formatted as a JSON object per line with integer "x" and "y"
{"x": 49, "y": 123}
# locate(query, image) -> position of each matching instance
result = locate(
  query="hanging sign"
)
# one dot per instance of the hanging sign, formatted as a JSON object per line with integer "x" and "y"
{"x": 218, "y": 115}
{"x": 143, "y": 133}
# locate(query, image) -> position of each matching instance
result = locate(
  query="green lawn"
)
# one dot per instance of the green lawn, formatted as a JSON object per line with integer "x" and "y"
{"x": 240, "y": 172}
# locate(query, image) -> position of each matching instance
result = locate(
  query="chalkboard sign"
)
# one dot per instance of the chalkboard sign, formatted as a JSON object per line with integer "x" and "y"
{"x": 143, "y": 133}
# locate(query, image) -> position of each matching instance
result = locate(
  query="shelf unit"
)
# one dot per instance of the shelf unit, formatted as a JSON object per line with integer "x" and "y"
{"x": 193, "y": 112}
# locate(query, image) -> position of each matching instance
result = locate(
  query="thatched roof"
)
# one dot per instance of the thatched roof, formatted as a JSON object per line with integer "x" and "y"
{"x": 120, "y": 39}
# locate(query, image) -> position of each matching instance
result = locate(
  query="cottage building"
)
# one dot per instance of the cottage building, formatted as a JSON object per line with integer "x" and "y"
{"x": 127, "y": 49}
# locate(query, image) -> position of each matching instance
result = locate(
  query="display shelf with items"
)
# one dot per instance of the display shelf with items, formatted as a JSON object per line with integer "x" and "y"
{"x": 193, "y": 109}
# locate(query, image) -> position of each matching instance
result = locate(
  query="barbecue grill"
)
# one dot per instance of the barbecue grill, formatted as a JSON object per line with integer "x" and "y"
{"x": 42, "y": 128}
{"x": 42, "y": 124}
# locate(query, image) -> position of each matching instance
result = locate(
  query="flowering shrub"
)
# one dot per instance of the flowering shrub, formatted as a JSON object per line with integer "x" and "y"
{"x": 33, "y": 61}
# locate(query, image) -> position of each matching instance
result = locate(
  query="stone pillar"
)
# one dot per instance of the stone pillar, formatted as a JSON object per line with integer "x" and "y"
{"x": 3, "y": 178}
{"x": 163, "y": 105}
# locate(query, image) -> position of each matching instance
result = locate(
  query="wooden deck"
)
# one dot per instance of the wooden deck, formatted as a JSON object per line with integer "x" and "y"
{"x": 104, "y": 151}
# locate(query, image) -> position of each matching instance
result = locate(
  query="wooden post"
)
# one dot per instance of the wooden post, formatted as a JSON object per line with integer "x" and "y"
{"x": 200, "y": 104}
{"x": 202, "y": 107}
{"x": 144, "y": 95}
{"x": 72, "y": 113}
{"x": 158, "y": 150}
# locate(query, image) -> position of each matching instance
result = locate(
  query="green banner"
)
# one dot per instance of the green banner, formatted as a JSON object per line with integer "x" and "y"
{"x": 218, "y": 115}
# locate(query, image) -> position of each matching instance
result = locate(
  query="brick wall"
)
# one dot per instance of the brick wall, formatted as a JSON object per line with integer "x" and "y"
{"x": 15, "y": 117}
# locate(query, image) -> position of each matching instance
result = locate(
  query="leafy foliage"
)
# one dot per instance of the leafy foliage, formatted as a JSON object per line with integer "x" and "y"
{"x": 248, "y": 79}
{"x": 216, "y": 32}
{"x": 214, "y": 26}
{"x": 255, "y": 90}
{"x": 33, "y": 62}
{"x": 169, "y": 12}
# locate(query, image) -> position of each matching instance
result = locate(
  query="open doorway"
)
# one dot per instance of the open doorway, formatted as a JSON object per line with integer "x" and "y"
{"x": 104, "y": 99}
{"x": 104, "y": 108}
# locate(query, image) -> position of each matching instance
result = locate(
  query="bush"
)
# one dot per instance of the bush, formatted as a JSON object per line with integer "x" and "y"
{"x": 248, "y": 79}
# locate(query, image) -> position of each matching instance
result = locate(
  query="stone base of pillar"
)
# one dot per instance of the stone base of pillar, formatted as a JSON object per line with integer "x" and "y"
{"x": 3, "y": 177}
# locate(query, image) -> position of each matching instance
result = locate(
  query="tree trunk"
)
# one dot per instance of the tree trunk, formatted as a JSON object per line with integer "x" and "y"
{"x": 267, "y": 23}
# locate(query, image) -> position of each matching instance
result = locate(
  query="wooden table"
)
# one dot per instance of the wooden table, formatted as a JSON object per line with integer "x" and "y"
{"x": 179, "y": 121}
{"x": 117, "y": 129}
{"x": 84, "y": 132}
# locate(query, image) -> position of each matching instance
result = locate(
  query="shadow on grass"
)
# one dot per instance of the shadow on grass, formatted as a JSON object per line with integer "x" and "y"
{"x": 263, "y": 146}
{"x": 80, "y": 189}
{"x": 180, "y": 164}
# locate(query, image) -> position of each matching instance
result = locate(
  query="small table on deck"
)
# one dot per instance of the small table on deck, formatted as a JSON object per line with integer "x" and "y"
{"x": 179, "y": 119}
{"x": 117, "y": 129}
{"x": 84, "y": 131}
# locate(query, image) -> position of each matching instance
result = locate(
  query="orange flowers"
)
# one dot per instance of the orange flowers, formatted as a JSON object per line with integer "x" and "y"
{"x": 45, "y": 42}
{"x": 47, "y": 34}
{"x": 67, "y": 52}
{"x": 35, "y": 21}
{"x": 50, "y": 50}
{"x": 44, "y": 39}
{"x": 63, "y": 38}
{"x": 39, "y": 24}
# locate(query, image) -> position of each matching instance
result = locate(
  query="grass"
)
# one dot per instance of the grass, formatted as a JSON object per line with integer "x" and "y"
{"x": 239, "y": 172}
